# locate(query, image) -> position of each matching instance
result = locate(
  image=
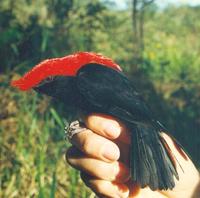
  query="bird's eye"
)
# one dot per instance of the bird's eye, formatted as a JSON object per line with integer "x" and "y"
{"x": 49, "y": 79}
{"x": 46, "y": 80}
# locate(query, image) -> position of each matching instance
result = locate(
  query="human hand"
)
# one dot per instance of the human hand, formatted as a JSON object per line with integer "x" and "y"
{"x": 101, "y": 153}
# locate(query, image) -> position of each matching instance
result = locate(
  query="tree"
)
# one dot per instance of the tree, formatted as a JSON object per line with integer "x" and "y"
{"x": 138, "y": 14}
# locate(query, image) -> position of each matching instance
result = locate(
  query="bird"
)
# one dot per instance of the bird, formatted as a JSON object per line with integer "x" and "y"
{"x": 92, "y": 83}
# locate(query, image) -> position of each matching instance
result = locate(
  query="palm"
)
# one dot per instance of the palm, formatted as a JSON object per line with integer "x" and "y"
{"x": 185, "y": 177}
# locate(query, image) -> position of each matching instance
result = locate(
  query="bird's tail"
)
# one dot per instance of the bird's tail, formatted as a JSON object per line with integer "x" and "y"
{"x": 152, "y": 162}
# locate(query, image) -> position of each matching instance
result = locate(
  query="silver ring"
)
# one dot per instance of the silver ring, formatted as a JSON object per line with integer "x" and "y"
{"x": 74, "y": 128}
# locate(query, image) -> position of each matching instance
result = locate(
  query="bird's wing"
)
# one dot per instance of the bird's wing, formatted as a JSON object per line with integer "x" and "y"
{"x": 151, "y": 161}
{"x": 111, "y": 92}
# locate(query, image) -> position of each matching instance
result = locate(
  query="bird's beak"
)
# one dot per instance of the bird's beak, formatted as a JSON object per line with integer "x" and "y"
{"x": 59, "y": 87}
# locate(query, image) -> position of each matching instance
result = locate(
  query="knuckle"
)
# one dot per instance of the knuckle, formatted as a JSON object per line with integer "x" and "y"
{"x": 69, "y": 156}
{"x": 87, "y": 144}
{"x": 69, "y": 161}
{"x": 100, "y": 186}
{"x": 105, "y": 171}
{"x": 114, "y": 171}
{"x": 91, "y": 120}
{"x": 68, "y": 153}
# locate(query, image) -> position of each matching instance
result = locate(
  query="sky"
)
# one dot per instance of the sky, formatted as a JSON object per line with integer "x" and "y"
{"x": 176, "y": 2}
{"x": 163, "y": 3}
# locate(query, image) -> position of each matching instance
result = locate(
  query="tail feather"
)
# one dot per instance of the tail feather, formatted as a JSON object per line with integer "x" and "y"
{"x": 152, "y": 162}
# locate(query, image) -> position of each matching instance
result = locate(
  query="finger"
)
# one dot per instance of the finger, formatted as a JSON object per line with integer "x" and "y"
{"x": 135, "y": 191}
{"x": 96, "y": 146}
{"x": 115, "y": 171}
{"x": 188, "y": 174}
{"x": 105, "y": 188}
{"x": 108, "y": 127}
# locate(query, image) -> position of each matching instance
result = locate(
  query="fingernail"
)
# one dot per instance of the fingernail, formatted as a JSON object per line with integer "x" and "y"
{"x": 110, "y": 152}
{"x": 112, "y": 130}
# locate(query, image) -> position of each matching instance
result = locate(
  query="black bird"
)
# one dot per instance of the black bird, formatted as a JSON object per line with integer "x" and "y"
{"x": 94, "y": 84}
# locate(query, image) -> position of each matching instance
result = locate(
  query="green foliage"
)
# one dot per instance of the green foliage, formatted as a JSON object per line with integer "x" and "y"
{"x": 172, "y": 45}
{"x": 32, "y": 162}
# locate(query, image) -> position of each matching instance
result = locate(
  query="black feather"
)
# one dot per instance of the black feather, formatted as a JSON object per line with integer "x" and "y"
{"x": 102, "y": 90}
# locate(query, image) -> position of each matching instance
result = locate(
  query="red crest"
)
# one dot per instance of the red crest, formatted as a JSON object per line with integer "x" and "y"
{"x": 65, "y": 66}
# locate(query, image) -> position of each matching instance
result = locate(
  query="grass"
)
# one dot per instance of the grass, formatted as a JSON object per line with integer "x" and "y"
{"x": 33, "y": 148}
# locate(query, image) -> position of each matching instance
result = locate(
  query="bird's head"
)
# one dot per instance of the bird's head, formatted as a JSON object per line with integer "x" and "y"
{"x": 49, "y": 73}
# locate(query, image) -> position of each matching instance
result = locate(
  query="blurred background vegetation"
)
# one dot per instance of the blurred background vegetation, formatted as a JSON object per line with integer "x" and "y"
{"x": 158, "y": 47}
